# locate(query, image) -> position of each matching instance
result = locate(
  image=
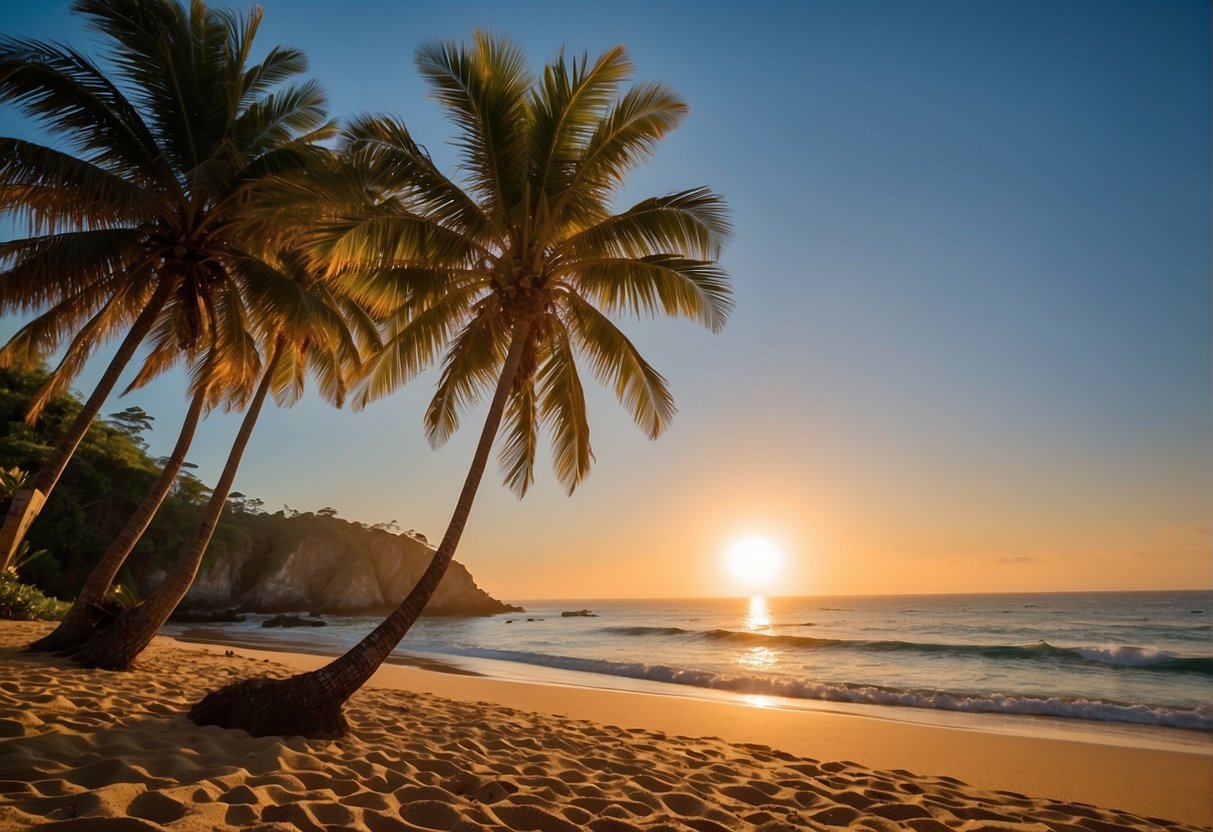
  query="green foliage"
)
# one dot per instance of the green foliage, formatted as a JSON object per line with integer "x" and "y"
{"x": 11, "y": 481}
{"x": 134, "y": 422}
{"x": 22, "y": 602}
{"x": 22, "y": 558}
{"x": 102, "y": 487}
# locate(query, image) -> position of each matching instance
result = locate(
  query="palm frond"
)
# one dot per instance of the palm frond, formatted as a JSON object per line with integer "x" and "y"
{"x": 483, "y": 87}
{"x": 74, "y": 357}
{"x": 49, "y": 269}
{"x": 289, "y": 375}
{"x": 624, "y": 138}
{"x": 384, "y": 291}
{"x": 37, "y": 339}
{"x": 563, "y": 410}
{"x": 566, "y": 106}
{"x": 414, "y": 340}
{"x": 49, "y": 189}
{"x": 383, "y": 147}
{"x": 391, "y": 240}
{"x": 617, "y": 363}
{"x": 238, "y": 365}
{"x": 471, "y": 366}
{"x": 162, "y": 351}
{"x": 520, "y": 439}
{"x": 693, "y": 223}
{"x": 280, "y": 64}
{"x": 278, "y": 118}
{"x": 662, "y": 283}
{"x": 72, "y": 99}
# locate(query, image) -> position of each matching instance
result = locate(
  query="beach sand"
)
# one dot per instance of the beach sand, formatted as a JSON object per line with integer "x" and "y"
{"x": 94, "y": 751}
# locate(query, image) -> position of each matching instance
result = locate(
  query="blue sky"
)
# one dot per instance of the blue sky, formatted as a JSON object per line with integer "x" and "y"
{"x": 972, "y": 273}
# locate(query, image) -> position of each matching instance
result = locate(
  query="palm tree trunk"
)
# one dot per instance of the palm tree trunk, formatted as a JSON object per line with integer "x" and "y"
{"x": 90, "y": 611}
{"x": 28, "y": 502}
{"x": 310, "y": 704}
{"x": 116, "y": 647}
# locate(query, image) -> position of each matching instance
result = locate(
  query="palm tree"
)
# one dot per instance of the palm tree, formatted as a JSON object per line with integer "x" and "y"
{"x": 116, "y": 645}
{"x": 140, "y": 222}
{"x": 310, "y": 329}
{"x": 91, "y": 607}
{"x": 220, "y": 377}
{"x": 508, "y": 279}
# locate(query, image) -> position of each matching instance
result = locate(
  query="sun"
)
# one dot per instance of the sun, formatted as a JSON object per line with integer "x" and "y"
{"x": 754, "y": 561}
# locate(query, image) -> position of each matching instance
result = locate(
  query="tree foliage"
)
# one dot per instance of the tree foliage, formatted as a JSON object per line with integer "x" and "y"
{"x": 109, "y": 476}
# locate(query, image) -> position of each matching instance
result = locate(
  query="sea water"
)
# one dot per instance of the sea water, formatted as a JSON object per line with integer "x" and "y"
{"x": 1142, "y": 658}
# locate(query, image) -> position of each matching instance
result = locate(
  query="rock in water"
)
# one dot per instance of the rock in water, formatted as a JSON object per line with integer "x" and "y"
{"x": 292, "y": 621}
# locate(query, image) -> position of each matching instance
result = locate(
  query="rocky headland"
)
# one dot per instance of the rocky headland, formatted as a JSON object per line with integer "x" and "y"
{"x": 326, "y": 565}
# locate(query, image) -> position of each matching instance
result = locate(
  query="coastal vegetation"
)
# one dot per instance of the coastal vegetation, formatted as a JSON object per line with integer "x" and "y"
{"x": 250, "y": 542}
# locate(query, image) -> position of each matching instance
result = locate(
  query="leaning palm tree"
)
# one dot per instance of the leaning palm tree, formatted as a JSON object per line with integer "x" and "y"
{"x": 92, "y": 605}
{"x": 508, "y": 279}
{"x": 310, "y": 329}
{"x": 138, "y": 213}
{"x": 221, "y": 376}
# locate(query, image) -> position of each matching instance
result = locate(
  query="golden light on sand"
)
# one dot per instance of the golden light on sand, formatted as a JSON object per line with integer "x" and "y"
{"x": 754, "y": 561}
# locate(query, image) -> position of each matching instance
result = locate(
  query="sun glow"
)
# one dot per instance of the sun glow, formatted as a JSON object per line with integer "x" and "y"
{"x": 754, "y": 561}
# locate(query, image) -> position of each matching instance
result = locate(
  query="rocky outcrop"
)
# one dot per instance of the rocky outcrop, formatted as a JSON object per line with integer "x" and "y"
{"x": 328, "y": 565}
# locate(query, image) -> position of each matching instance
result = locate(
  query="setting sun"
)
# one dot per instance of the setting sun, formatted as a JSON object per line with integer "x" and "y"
{"x": 754, "y": 561}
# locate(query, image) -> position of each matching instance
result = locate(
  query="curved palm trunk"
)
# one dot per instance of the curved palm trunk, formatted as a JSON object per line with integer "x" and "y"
{"x": 310, "y": 704}
{"x": 90, "y": 610}
{"x": 117, "y": 646}
{"x": 27, "y": 503}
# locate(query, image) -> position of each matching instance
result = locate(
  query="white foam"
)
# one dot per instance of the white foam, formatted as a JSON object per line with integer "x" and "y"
{"x": 1199, "y": 718}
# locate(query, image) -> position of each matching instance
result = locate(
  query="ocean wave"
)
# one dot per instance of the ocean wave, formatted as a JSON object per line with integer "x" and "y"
{"x": 649, "y": 631}
{"x": 1115, "y": 655}
{"x": 1199, "y": 718}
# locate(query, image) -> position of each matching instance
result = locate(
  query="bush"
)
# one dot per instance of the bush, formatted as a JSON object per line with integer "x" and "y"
{"x": 22, "y": 602}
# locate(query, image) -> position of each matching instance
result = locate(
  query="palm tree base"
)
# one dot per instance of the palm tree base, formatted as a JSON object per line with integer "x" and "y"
{"x": 81, "y": 623}
{"x": 118, "y": 645}
{"x": 298, "y": 706}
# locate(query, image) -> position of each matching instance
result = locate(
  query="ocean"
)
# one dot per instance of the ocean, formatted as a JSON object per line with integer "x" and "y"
{"x": 1127, "y": 658}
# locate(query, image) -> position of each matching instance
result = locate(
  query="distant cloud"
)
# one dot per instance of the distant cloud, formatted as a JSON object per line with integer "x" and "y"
{"x": 1171, "y": 553}
{"x": 1046, "y": 557}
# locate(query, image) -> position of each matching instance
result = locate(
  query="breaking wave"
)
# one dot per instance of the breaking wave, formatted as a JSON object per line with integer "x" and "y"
{"x": 1199, "y": 718}
{"x": 1115, "y": 655}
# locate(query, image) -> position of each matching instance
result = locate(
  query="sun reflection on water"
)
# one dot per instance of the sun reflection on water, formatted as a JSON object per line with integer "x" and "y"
{"x": 758, "y": 658}
{"x": 759, "y": 615}
{"x": 758, "y": 618}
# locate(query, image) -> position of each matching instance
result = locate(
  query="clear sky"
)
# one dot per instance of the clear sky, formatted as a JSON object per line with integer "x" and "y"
{"x": 971, "y": 350}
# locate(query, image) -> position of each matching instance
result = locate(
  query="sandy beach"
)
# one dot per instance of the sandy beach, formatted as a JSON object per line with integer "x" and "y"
{"x": 92, "y": 750}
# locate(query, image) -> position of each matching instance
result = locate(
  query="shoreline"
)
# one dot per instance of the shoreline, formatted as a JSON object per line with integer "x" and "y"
{"x": 1109, "y": 732}
{"x": 959, "y": 775}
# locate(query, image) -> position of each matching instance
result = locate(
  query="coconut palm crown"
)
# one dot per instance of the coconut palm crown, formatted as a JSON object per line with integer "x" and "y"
{"x": 529, "y": 247}
{"x": 136, "y": 209}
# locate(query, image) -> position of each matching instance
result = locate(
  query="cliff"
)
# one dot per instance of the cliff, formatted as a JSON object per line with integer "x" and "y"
{"x": 324, "y": 564}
